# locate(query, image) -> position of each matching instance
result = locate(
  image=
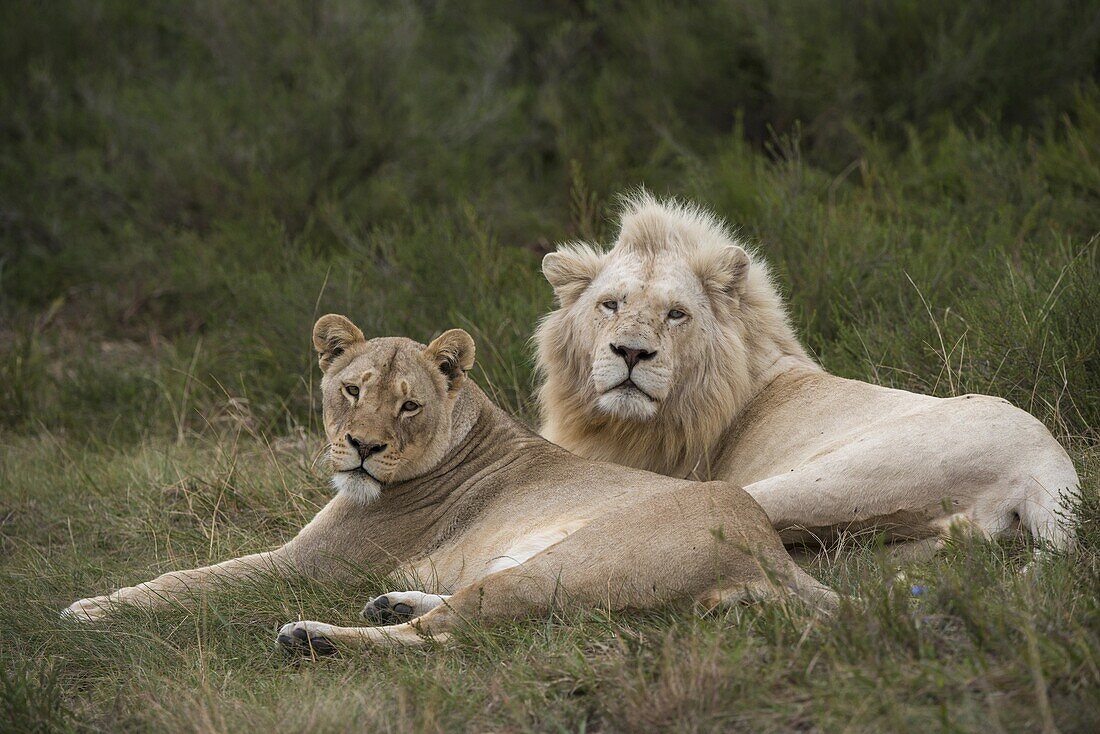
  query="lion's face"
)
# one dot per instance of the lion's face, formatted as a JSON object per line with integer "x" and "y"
{"x": 640, "y": 322}
{"x": 637, "y": 330}
{"x": 387, "y": 403}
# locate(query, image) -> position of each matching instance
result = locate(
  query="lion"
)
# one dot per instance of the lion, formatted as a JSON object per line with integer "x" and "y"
{"x": 672, "y": 351}
{"x": 437, "y": 484}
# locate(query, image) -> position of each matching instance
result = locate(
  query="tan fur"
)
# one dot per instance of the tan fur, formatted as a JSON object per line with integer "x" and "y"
{"x": 439, "y": 486}
{"x": 735, "y": 396}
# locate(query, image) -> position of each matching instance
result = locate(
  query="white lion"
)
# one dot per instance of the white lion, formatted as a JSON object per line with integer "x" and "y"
{"x": 673, "y": 352}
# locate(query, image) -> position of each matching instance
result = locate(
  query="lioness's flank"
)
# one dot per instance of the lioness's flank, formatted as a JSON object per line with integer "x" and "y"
{"x": 438, "y": 485}
{"x": 672, "y": 352}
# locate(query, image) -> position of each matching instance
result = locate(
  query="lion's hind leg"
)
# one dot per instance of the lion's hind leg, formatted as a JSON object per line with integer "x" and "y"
{"x": 400, "y": 606}
{"x": 670, "y": 547}
{"x": 733, "y": 595}
{"x": 318, "y": 638}
{"x": 793, "y": 582}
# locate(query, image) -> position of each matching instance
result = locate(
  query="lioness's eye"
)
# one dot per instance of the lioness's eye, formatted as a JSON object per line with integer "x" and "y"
{"x": 410, "y": 406}
{"x": 676, "y": 314}
{"x": 611, "y": 305}
{"x": 352, "y": 390}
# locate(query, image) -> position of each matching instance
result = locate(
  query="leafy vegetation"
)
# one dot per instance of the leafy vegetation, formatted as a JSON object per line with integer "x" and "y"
{"x": 184, "y": 187}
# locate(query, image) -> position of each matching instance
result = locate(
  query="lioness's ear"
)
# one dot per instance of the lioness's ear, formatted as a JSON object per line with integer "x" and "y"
{"x": 332, "y": 335}
{"x": 453, "y": 354}
{"x": 723, "y": 272}
{"x": 571, "y": 269}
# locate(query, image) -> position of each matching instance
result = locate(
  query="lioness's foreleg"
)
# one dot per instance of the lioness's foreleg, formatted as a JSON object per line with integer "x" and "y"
{"x": 173, "y": 586}
{"x": 329, "y": 547}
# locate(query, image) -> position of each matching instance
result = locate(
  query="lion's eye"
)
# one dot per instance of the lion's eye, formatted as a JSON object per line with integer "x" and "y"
{"x": 676, "y": 314}
{"x": 410, "y": 406}
{"x": 352, "y": 390}
{"x": 611, "y": 305}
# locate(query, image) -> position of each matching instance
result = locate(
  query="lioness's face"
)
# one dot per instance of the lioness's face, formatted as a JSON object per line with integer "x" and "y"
{"x": 387, "y": 403}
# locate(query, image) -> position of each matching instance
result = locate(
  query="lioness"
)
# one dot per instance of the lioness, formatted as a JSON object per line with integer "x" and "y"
{"x": 673, "y": 352}
{"x": 437, "y": 484}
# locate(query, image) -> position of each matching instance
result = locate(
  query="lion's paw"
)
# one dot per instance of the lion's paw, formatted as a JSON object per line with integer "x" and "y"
{"x": 395, "y": 607}
{"x": 306, "y": 638}
{"x": 92, "y": 609}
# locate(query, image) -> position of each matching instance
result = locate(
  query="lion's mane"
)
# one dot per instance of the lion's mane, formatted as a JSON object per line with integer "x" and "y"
{"x": 752, "y": 340}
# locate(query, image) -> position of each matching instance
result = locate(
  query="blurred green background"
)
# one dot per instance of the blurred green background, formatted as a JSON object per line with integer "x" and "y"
{"x": 185, "y": 186}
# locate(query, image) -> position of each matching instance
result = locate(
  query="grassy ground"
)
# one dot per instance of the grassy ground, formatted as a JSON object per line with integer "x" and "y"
{"x": 184, "y": 187}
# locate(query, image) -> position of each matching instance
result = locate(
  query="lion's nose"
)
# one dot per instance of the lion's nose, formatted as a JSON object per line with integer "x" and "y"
{"x": 365, "y": 449}
{"x": 632, "y": 355}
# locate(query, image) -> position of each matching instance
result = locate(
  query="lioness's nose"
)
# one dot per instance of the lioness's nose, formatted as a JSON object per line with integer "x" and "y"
{"x": 631, "y": 355}
{"x": 365, "y": 449}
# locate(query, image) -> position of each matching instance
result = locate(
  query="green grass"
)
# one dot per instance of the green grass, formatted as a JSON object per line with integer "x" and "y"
{"x": 986, "y": 643}
{"x": 185, "y": 187}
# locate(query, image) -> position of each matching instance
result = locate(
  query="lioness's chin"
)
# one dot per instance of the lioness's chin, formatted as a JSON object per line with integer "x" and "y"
{"x": 627, "y": 404}
{"x": 357, "y": 485}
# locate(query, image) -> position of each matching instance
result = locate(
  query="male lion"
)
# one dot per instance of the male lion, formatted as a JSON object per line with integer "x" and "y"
{"x": 438, "y": 485}
{"x": 673, "y": 352}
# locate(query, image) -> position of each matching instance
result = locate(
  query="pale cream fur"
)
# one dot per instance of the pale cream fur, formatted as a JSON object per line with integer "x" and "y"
{"x": 442, "y": 490}
{"x": 733, "y": 395}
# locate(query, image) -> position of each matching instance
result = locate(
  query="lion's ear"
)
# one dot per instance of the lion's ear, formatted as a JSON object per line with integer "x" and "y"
{"x": 723, "y": 272}
{"x": 332, "y": 335}
{"x": 453, "y": 354}
{"x": 571, "y": 269}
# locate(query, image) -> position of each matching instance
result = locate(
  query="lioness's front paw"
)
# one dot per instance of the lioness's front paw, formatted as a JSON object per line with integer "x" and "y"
{"x": 306, "y": 638}
{"x": 88, "y": 610}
